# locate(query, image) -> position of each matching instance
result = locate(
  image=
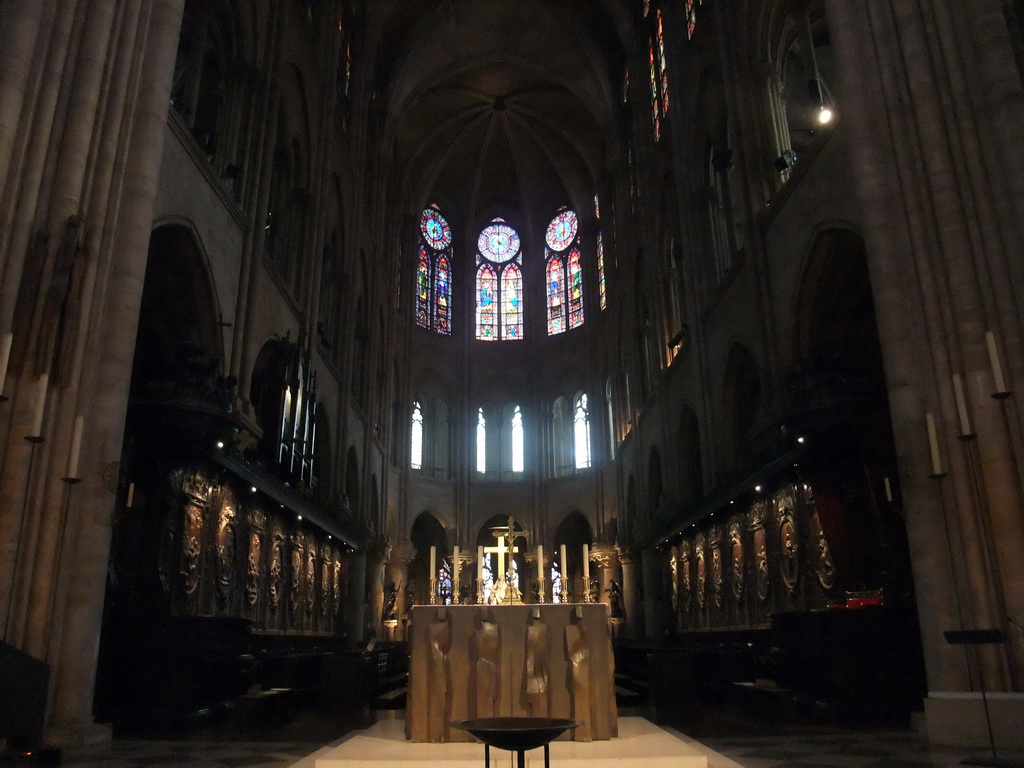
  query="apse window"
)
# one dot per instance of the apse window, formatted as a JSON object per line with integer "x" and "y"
{"x": 564, "y": 273}
{"x": 434, "y": 273}
{"x": 499, "y": 283}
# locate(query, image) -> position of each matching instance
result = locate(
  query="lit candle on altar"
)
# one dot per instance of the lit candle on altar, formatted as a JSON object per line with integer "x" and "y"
{"x": 455, "y": 562}
{"x": 433, "y": 562}
{"x": 76, "y": 447}
{"x": 933, "y": 444}
{"x": 561, "y": 552}
{"x": 5, "y": 357}
{"x": 540, "y": 562}
{"x": 586, "y": 567}
{"x": 501, "y": 559}
{"x": 993, "y": 359}
{"x": 480, "y": 564}
{"x": 39, "y": 405}
{"x": 888, "y": 490}
{"x": 131, "y": 495}
{"x": 961, "y": 405}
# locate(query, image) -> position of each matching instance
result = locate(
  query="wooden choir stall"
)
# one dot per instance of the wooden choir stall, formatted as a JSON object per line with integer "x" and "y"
{"x": 543, "y": 660}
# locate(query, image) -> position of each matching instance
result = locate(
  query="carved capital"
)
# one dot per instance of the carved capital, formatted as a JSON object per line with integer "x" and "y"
{"x": 402, "y": 552}
{"x": 627, "y": 555}
{"x": 379, "y": 549}
{"x": 604, "y": 556}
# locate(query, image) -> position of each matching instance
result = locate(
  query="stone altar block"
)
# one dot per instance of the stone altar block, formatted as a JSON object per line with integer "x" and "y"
{"x": 468, "y": 661}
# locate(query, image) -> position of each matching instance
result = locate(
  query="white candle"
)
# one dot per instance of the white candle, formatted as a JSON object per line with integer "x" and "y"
{"x": 131, "y": 495}
{"x": 888, "y": 489}
{"x": 961, "y": 405}
{"x": 993, "y": 359}
{"x": 5, "y": 357}
{"x": 76, "y": 447}
{"x": 480, "y": 564}
{"x": 39, "y": 405}
{"x": 561, "y": 552}
{"x": 501, "y": 559}
{"x": 433, "y": 562}
{"x": 540, "y": 562}
{"x": 586, "y": 566}
{"x": 455, "y": 562}
{"x": 933, "y": 444}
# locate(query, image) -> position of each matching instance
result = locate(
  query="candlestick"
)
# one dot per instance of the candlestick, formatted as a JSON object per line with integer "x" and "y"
{"x": 76, "y": 447}
{"x": 480, "y": 564}
{"x": 997, "y": 368}
{"x": 586, "y": 565}
{"x": 540, "y": 560}
{"x": 5, "y": 358}
{"x": 933, "y": 444}
{"x": 961, "y": 406}
{"x": 39, "y": 405}
{"x": 433, "y": 591}
{"x": 433, "y": 562}
{"x": 565, "y": 572}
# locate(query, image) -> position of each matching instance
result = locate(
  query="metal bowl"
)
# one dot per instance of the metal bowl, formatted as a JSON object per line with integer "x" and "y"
{"x": 516, "y": 733}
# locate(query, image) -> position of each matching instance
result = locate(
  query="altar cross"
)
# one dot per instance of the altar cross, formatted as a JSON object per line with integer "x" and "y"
{"x": 511, "y": 534}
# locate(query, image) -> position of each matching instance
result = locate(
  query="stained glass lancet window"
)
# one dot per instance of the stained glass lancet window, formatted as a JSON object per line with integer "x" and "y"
{"x": 444, "y": 582}
{"x": 663, "y": 66}
{"x": 655, "y": 116}
{"x": 499, "y": 283}
{"x": 518, "y": 451}
{"x": 481, "y": 442}
{"x": 691, "y": 17}
{"x": 564, "y": 273}
{"x": 434, "y": 272}
{"x": 556, "y": 583}
{"x": 581, "y": 433}
{"x": 602, "y": 294}
{"x": 416, "y": 449}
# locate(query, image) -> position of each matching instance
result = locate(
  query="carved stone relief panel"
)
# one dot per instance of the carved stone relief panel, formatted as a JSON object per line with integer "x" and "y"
{"x": 336, "y": 584}
{"x": 825, "y": 567}
{"x": 197, "y": 499}
{"x": 673, "y": 567}
{"x": 717, "y": 571}
{"x": 326, "y": 555}
{"x": 310, "y": 582}
{"x": 276, "y": 582}
{"x": 736, "y": 558}
{"x": 759, "y": 542}
{"x": 226, "y": 548}
{"x": 254, "y": 560}
{"x": 702, "y": 570}
{"x": 685, "y": 567}
{"x": 296, "y": 575}
{"x": 789, "y": 539}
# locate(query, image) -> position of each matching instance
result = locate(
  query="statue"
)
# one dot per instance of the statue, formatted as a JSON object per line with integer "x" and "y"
{"x": 391, "y": 602}
{"x": 615, "y": 598}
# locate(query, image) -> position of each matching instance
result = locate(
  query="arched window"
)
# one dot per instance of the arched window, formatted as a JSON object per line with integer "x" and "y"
{"x": 518, "y": 452}
{"x": 662, "y": 65}
{"x": 581, "y": 432}
{"x": 655, "y": 107}
{"x": 499, "y": 283}
{"x": 556, "y": 582}
{"x": 481, "y": 442}
{"x": 564, "y": 273}
{"x": 416, "y": 448}
{"x": 434, "y": 273}
{"x": 601, "y": 288}
{"x": 561, "y": 437}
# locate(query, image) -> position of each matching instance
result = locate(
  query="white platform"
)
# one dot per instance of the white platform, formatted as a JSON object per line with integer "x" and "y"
{"x": 640, "y": 744}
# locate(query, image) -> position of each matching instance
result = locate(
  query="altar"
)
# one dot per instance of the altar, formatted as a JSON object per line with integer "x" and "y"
{"x": 544, "y": 660}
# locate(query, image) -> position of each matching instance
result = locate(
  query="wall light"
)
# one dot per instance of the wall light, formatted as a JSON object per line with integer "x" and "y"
{"x": 824, "y": 115}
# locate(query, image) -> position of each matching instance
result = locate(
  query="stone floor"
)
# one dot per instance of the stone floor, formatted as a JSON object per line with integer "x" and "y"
{"x": 295, "y": 745}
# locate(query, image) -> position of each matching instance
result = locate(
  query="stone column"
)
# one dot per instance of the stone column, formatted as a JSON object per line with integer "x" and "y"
{"x": 355, "y": 601}
{"x": 935, "y": 121}
{"x": 651, "y": 565}
{"x": 376, "y": 557}
{"x": 630, "y": 597}
{"x": 397, "y": 573}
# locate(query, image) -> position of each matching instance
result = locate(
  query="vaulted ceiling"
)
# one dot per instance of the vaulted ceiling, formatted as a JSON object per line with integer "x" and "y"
{"x": 498, "y": 108}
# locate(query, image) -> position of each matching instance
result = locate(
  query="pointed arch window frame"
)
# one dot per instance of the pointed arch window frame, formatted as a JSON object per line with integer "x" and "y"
{"x": 563, "y": 273}
{"x": 434, "y": 277}
{"x": 500, "y": 312}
